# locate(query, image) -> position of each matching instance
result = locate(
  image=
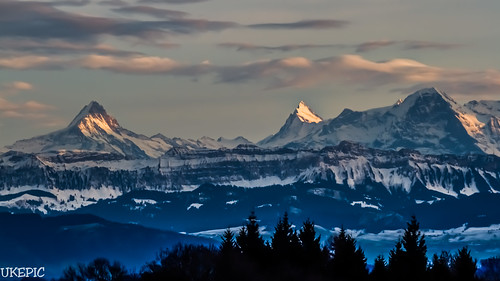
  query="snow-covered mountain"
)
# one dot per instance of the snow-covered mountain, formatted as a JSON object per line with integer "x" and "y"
{"x": 94, "y": 133}
{"x": 301, "y": 123}
{"x": 428, "y": 120}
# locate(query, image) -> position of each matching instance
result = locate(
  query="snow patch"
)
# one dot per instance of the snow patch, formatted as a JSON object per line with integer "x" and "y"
{"x": 363, "y": 204}
{"x": 194, "y": 205}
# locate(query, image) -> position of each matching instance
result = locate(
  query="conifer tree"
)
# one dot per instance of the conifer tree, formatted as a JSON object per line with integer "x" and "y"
{"x": 464, "y": 266}
{"x": 228, "y": 244}
{"x": 311, "y": 245}
{"x": 249, "y": 240}
{"x": 440, "y": 269}
{"x": 285, "y": 243}
{"x": 379, "y": 272}
{"x": 227, "y": 267}
{"x": 348, "y": 262}
{"x": 408, "y": 261}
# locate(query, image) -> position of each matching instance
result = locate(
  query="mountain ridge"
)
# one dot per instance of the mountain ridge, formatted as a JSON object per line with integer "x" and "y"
{"x": 428, "y": 120}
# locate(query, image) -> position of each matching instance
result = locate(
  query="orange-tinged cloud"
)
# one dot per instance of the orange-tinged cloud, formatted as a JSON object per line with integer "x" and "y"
{"x": 139, "y": 64}
{"x": 23, "y": 62}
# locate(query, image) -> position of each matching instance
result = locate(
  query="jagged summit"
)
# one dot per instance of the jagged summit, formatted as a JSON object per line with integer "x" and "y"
{"x": 96, "y": 112}
{"x": 306, "y": 114}
{"x": 432, "y": 92}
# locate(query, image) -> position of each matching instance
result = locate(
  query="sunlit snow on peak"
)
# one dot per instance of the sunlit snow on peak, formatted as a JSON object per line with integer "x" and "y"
{"x": 305, "y": 114}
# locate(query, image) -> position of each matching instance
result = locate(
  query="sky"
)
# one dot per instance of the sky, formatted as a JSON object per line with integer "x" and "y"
{"x": 193, "y": 68}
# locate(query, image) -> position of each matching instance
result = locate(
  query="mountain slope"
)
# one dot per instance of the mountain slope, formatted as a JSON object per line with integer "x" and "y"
{"x": 428, "y": 120}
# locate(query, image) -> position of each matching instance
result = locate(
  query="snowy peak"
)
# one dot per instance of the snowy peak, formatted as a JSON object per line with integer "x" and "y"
{"x": 92, "y": 117}
{"x": 429, "y": 97}
{"x": 305, "y": 114}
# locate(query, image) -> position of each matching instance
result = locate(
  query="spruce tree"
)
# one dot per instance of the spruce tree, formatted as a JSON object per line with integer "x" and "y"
{"x": 440, "y": 269}
{"x": 284, "y": 243}
{"x": 249, "y": 240}
{"x": 395, "y": 266}
{"x": 408, "y": 261}
{"x": 463, "y": 266}
{"x": 348, "y": 262}
{"x": 228, "y": 244}
{"x": 311, "y": 245}
{"x": 227, "y": 267}
{"x": 379, "y": 272}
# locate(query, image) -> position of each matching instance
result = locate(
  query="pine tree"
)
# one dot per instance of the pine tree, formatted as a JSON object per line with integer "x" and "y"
{"x": 348, "y": 262}
{"x": 408, "y": 261}
{"x": 228, "y": 244}
{"x": 440, "y": 270}
{"x": 463, "y": 266}
{"x": 249, "y": 240}
{"x": 311, "y": 245}
{"x": 379, "y": 272}
{"x": 227, "y": 267}
{"x": 285, "y": 243}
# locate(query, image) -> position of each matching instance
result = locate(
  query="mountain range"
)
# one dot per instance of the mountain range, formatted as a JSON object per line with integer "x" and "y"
{"x": 428, "y": 121}
{"x": 423, "y": 152}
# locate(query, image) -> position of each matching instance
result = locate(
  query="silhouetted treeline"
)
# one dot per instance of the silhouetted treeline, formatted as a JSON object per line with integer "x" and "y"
{"x": 295, "y": 255}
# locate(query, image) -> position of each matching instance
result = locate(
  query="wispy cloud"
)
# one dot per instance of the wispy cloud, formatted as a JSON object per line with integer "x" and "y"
{"x": 116, "y": 3}
{"x": 281, "y": 48}
{"x": 43, "y": 21}
{"x": 28, "y": 110}
{"x": 297, "y": 72}
{"x": 58, "y": 47}
{"x": 29, "y": 62}
{"x": 372, "y": 45}
{"x": 172, "y": 1}
{"x": 405, "y": 45}
{"x": 413, "y": 45}
{"x": 151, "y": 11}
{"x": 352, "y": 69}
{"x": 305, "y": 24}
{"x": 359, "y": 48}
{"x": 73, "y": 3}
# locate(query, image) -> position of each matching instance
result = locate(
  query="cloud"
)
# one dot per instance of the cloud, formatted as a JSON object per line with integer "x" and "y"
{"x": 297, "y": 72}
{"x": 19, "y": 86}
{"x": 372, "y": 45}
{"x": 73, "y": 3}
{"x": 282, "y": 48}
{"x": 59, "y": 47}
{"x": 415, "y": 45}
{"x": 359, "y": 48}
{"x": 301, "y": 72}
{"x": 116, "y": 3}
{"x": 138, "y": 65}
{"x": 404, "y": 44}
{"x": 151, "y": 11}
{"x": 29, "y": 110}
{"x": 172, "y": 1}
{"x": 29, "y": 62}
{"x": 39, "y": 20}
{"x": 305, "y": 24}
